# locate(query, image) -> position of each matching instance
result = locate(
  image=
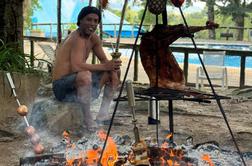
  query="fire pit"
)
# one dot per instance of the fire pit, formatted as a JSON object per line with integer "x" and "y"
{"x": 119, "y": 152}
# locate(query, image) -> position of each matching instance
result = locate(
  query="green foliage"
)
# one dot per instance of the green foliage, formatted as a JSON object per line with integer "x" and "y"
{"x": 14, "y": 60}
{"x": 115, "y": 11}
{"x": 28, "y": 12}
{"x": 71, "y": 26}
{"x": 225, "y": 18}
{"x": 131, "y": 16}
{"x": 234, "y": 8}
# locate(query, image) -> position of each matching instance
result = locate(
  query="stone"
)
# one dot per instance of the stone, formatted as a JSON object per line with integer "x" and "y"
{"x": 54, "y": 115}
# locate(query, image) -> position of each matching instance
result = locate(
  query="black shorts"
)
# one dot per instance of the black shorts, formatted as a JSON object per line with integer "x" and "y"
{"x": 64, "y": 89}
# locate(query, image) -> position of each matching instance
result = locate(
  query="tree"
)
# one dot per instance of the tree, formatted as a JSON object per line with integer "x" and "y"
{"x": 12, "y": 13}
{"x": 211, "y": 16}
{"x": 11, "y": 22}
{"x": 238, "y": 9}
{"x": 29, "y": 7}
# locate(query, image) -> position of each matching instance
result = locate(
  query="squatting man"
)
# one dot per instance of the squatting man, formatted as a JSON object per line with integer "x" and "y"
{"x": 75, "y": 80}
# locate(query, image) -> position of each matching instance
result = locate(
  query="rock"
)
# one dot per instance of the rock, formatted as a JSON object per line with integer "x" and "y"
{"x": 6, "y": 136}
{"x": 54, "y": 115}
{"x": 45, "y": 90}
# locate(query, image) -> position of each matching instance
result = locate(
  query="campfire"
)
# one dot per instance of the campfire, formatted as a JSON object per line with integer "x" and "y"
{"x": 86, "y": 152}
{"x": 119, "y": 151}
{"x": 146, "y": 151}
{"x": 91, "y": 155}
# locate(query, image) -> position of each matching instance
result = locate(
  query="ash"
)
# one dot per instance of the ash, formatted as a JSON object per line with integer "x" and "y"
{"x": 93, "y": 142}
{"x": 218, "y": 156}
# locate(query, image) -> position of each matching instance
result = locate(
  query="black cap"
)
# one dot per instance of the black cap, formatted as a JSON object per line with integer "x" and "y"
{"x": 87, "y": 10}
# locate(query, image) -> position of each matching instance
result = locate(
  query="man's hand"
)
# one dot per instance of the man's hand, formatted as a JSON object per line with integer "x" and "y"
{"x": 113, "y": 65}
{"x": 211, "y": 25}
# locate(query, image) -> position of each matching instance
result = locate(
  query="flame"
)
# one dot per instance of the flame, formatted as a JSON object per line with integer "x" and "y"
{"x": 169, "y": 136}
{"x": 168, "y": 155}
{"x": 66, "y": 136}
{"x": 110, "y": 154}
{"x": 207, "y": 158}
{"x": 172, "y": 163}
{"x": 91, "y": 156}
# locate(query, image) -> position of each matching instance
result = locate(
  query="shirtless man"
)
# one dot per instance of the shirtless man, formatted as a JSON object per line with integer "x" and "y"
{"x": 76, "y": 80}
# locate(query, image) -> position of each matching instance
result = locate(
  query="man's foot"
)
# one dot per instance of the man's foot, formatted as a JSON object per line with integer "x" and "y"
{"x": 103, "y": 120}
{"x": 91, "y": 126}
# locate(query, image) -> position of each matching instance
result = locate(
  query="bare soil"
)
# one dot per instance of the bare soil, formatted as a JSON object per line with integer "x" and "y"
{"x": 202, "y": 121}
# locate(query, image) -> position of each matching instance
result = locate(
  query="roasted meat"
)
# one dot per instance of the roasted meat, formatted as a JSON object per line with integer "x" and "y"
{"x": 157, "y": 59}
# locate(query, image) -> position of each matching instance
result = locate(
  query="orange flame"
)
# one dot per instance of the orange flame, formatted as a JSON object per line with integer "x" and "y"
{"x": 207, "y": 158}
{"x": 174, "y": 155}
{"x": 91, "y": 156}
{"x": 110, "y": 154}
{"x": 66, "y": 136}
{"x": 169, "y": 136}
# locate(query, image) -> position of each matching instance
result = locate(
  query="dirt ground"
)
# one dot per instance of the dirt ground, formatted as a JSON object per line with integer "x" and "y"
{"x": 202, "y": 121}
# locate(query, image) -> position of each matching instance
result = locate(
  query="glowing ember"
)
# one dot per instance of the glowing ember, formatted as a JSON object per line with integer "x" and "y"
{"x": 165, "y": 155}
{"x": 74, "y": 156}
{"x": 207, "y": 158}
{"x": 66, "y": 136}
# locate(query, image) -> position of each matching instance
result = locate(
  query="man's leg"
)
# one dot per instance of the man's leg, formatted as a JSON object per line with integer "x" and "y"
{"x": 105, "y": 104}
{"x": 83, "y": 84}
{"x": 108, "y": 94}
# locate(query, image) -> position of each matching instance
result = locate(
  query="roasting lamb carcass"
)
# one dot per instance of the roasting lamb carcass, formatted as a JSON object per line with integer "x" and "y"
{"x": 156, "y": 55}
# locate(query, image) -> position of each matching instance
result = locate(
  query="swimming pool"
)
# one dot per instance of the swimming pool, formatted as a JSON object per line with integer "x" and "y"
{"x": 230, "y": 61}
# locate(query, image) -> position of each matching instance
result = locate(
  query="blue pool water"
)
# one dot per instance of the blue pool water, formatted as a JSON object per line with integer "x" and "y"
{"x": 231, "y": 61}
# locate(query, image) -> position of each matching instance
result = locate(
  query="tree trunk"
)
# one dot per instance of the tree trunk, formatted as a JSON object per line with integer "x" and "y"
{"x": 11, "y": 22}
{"x": 239, "y": 19}
{"x": 210, "y": 13}
{"x": 2, "y": 22}
{"x": 239, "y": 22}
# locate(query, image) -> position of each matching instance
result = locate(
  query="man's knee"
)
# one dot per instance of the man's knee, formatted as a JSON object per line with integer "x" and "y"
{"x": 84, "y": 78}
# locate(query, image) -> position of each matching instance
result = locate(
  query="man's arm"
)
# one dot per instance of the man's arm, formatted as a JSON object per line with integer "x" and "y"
{"x": 98, "y": 50}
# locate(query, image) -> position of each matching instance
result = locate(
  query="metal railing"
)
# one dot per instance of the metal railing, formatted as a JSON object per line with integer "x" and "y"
{"x": 243, "y": 54}
{"x": 223, "y": 32}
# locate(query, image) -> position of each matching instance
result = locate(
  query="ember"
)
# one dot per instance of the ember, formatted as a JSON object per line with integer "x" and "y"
{"x": 86, "y": 151}
{"x": 76, "y": 156}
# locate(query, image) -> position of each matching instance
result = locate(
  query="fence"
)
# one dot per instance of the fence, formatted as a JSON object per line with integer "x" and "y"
{"x": 243, "y": 54}
{"x": 225, "y": 33}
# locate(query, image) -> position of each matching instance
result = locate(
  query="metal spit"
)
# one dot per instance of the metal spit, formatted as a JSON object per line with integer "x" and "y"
{"x": 132, "y": 104}
{"x": 22, "y": 111}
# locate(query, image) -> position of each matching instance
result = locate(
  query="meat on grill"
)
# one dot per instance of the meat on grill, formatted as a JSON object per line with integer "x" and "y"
{"x": 157, "y": 59}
